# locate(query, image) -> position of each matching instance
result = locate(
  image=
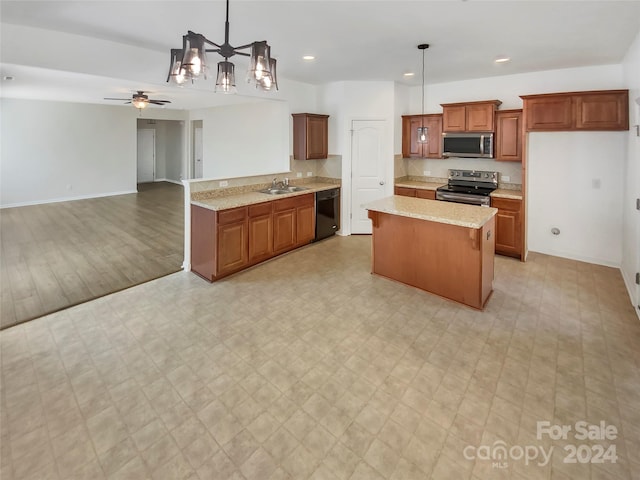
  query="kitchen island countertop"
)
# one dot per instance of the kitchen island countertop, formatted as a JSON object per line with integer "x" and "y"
{"x": 469, "y": 216}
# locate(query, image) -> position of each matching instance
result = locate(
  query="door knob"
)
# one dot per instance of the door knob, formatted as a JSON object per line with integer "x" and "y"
{"x": 382, "y": 182}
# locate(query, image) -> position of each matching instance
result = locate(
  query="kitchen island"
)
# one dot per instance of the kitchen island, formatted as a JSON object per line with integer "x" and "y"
{"x": 441, "y": 247}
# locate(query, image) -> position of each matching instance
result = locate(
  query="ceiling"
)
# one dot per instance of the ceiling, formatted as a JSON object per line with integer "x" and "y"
{"x": 351, "y": 40}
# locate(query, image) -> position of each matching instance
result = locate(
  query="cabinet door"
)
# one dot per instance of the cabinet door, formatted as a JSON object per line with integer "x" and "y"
{"x": 454, "y": 118}
{"x": 509, "y": 136}
{"x": 305, "y": 224}
{"x": 203, "y": 248}
{"x": 479, "y": 118}
{"x": 433, "y": 149}
{"x": 549, "y": 113}
{"x": 602, "y": 111}
{"x": 260, "y": 238}
{"x": 428, "y": 194}
{"x": 404, "y": 191}
{"x": 317, "y": 137}
{"x": 232, "y": 247}
{"x": 284, "y": 230}
{"x": 508, "y": 226}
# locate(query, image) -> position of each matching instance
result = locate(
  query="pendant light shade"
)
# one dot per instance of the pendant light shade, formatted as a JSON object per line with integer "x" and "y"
{"x": 260, "y": 62}
{"x": 194, "y": 59}
{"x": 423, "y": 132}
{"x": 190, "y": 62}
{"x": 226, "y": 79}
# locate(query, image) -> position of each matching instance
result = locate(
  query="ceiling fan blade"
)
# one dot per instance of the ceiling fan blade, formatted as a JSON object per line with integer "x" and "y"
{"x": 108, "y": 98}
{"x": 127, "y": 102}
{"x": 159, "y": 102}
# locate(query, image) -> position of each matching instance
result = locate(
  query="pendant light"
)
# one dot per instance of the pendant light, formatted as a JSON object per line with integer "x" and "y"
{"x": 190, "y": 62}
{"x": 423, "y": 133}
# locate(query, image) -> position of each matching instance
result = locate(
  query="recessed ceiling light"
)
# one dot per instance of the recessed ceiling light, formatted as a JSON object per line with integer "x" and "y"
{"x": 408, "y": 74}
{"x": 502, "y": 59}
{"x": 308, "y": 57}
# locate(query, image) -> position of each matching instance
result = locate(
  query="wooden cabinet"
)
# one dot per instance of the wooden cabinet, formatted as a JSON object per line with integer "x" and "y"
{"x": 310, "y": 136}
{"x": 293, "y": 222}
{"x": 597, "y": 110}
{"x": 410, "y": 145}
{"x": 508, "y": 138}
{"x": 469, "y": 116}
{"x": 415, "y": 192}
{"x": 508, "y": 226}
{"x": 226, "y": 241}
{"x": 260, "y": 232}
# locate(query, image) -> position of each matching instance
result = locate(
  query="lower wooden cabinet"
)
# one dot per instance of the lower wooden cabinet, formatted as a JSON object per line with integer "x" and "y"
{"x": 415, "y": 192}
{"x": 226, "y": 241}
{"x": 508, "y": 226}
{"x": 260, "y": 232}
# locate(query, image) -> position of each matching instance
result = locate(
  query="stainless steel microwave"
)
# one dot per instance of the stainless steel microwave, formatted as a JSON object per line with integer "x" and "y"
{"x": 473, "y": 144}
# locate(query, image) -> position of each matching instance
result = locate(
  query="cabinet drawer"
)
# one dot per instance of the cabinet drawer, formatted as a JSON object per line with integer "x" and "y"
{"x": 405, "y": 191}
{"x": 506, "y": 204}
{"x": 260, "y": 209}
{"x": 292, "y": 202}
{"x": 232, "y": 215}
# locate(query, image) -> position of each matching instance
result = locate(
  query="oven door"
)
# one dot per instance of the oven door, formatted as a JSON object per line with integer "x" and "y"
{"x": 469, "y": 199}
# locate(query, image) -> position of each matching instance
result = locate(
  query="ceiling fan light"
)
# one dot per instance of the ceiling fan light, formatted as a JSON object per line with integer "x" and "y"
{"x": 260, "y": 61}
{"x": 140, "y": 103}
{"x": 226, "y": 79}
{"x": 194, "y": 59}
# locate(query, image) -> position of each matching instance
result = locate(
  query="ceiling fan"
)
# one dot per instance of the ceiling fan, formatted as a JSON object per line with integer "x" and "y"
{"x": 140, "y": 100}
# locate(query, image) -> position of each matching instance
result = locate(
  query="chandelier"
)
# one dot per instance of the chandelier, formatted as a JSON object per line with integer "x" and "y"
{"x": 190, "y": 62}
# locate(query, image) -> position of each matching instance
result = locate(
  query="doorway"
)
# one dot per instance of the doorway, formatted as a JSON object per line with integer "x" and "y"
{"x": 146, "y": 159}
{"x": 197, "y": 164}
{"x": 368, "y": 174}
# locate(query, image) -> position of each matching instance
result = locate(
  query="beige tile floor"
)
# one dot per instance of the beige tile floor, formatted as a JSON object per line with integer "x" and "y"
{"x": 310, "y": 367}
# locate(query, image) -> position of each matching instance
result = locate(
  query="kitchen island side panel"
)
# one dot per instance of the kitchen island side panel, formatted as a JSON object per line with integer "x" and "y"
{"x": 448, "y": 260}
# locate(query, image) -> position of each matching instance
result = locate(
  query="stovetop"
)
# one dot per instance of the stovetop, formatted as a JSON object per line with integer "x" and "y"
{"x": 470, "y": 190}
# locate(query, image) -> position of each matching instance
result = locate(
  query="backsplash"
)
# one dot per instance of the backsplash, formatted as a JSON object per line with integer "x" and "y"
{"x": 439, "y": 168}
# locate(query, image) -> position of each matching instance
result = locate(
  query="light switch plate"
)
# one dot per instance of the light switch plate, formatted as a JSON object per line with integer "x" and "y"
{"x": 309, "y": 174}
{"x": 224, "y": 183}
{"x": 506, "y": 178}
{"x": 427, "y": 173}
{"x": 299, "y": 174}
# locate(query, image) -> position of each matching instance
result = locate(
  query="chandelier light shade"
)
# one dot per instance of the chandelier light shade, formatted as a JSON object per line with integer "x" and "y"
{"x": 226, "y": 79}
{"x": 423, "y": 132}
{"x": 190, "y": 62}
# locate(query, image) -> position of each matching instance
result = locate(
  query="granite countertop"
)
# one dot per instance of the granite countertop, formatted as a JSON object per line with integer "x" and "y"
{"x": 507, "y": 193}
{"x": 469, "y": 216}
{"x": 420, "y": 185}
{"x": 512, "y": 193}
{"x": 250, "y": 198}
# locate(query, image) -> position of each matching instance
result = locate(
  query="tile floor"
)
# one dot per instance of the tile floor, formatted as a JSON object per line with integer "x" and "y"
{"x": 310, "y": 367}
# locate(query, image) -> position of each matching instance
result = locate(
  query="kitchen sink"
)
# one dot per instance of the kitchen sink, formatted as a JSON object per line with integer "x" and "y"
{"x": 281, "y": 191}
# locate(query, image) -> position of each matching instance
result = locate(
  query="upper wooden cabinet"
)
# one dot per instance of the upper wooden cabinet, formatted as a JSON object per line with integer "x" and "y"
{"x": 410, "y": 145}
{"x": 469, "y": 116}
{"x": 310, "y": 136}
{"x": 598, "y": 110}
{"x": 508, "y": 140}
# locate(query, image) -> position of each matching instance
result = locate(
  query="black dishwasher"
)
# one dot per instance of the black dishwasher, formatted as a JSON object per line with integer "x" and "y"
{"x": 327, "y": 213}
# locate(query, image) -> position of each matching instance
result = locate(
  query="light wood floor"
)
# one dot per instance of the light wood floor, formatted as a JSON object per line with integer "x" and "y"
{"x": 61, "y": 254}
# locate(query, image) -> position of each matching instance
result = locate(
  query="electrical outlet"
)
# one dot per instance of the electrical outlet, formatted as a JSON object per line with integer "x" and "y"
{"x": 309, "y": 174}
{"x": 506, "y": 178}
{"x": 224, "y": 183}
{"x": 299, "y": 174}
{"x": 427, "y": 173}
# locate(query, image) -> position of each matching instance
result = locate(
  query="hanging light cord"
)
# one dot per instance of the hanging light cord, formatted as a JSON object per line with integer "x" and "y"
{"x": 423, "y": 47}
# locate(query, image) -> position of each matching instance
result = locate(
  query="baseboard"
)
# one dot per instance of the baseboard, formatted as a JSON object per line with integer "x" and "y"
{"x": 177, "y": 182}
{"x": 579, "y": 258}
{"x": 67, "y": 199}
{"x": 630, "y": 283}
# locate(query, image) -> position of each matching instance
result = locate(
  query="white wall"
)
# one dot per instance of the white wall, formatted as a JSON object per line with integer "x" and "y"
{"x": 170, "y": 148}
{"x": 575, "y": 181}
{"x": 630, "y": 216}
{"x": 244, "y": 140}
{"x": 54, "y": 151}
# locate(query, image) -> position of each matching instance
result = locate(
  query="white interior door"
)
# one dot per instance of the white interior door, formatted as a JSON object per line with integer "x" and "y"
{"x": 146, "y": 155}
{"x": 368, "y": 177}
{"x": 197, "y": 152}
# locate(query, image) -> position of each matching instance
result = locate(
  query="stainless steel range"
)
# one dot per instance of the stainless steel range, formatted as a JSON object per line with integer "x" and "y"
{"x": 468, "y": 186}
